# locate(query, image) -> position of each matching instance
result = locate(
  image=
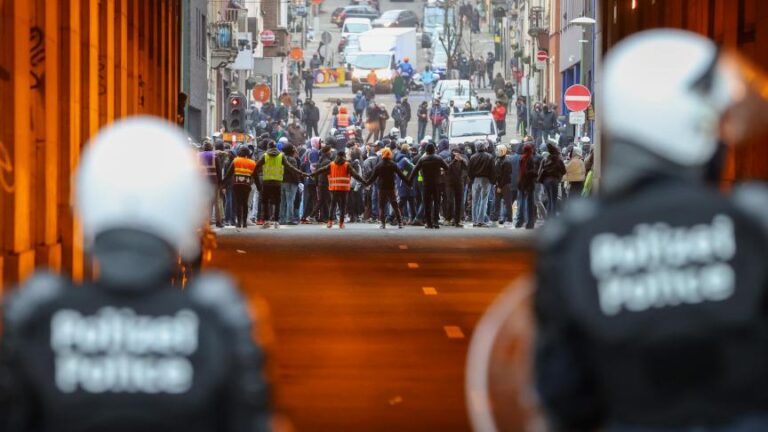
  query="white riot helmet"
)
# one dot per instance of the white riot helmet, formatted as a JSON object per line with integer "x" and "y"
{"x": 140, "y": 174}
{"x": 409, "y": 140}
{"x": 394, "y": 133}
{"x": 668, "y": 91}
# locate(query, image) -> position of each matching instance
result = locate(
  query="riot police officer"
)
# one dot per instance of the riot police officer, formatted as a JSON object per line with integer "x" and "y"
{"x": 650, "y": 301}
{"x": 128, "y": 351}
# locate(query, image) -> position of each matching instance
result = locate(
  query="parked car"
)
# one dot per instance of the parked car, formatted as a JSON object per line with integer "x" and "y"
{"x": 355, "y": 26}
{"x": 443, "y": 85}
{"x": 397, "y": 18}
{"x": 335, "y": 16}
{"x": 470, "y": 127}
{"x": 356, "y": 11}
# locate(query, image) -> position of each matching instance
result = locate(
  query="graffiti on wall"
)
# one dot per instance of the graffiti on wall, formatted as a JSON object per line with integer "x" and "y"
{"x": 37, "y": 58}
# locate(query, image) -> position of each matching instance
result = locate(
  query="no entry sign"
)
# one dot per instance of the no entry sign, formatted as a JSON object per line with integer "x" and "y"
{"x": 267, "y": 37}
{"x": 577, "y": 98}
{"x": 542, "y": 56}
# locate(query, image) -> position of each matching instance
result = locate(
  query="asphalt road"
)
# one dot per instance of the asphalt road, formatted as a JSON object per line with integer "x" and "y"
{"x": 371, "y": 327}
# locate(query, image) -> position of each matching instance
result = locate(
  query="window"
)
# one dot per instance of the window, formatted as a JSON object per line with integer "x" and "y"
{"x": 747, "y": 24}
{"x": 203, "y": 37}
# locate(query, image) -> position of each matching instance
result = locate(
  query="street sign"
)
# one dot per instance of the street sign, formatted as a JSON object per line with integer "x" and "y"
{"x": 577, "y": 117}
{"x": 325, "y": 37}
{"x": 261, "y": 93}
{"x": 267, "y": 37}
{"x": 541, "y": 59}
{"x": 577, "y": 98}
{"x": 297, "y": 54}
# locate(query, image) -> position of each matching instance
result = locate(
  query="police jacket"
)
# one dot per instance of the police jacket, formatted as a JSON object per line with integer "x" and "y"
{"x": 429, "y": 165}
{"x": 385, "y": 171}
{"x": 87, "y": 359}
{"x": 481, "y": 165}
{"x": 650, "y": 309}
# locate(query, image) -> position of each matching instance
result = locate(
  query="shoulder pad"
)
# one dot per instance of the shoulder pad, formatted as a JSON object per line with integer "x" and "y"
{"x": 752, "y": 199}
{"x": 219, "y": 293}
{"x": 38, "y": 289}
{"x": 576, "y": 213}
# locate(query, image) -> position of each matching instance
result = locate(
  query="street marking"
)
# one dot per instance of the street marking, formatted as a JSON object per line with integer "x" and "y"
{"x": 413, "y": 265}
{"x": 240, "y": 251}
{"x": 429, "y": 290}
{"x": 403, "y": 247}
{"x": 453, "y": 332}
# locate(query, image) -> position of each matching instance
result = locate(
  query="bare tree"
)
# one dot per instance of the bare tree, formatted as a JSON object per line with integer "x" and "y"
{"x": 450, "y": 39}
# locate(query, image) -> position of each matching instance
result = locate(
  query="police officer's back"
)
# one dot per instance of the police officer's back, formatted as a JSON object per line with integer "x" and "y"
{"x": 128, "y": 351}
{"x": 651, "y": 300}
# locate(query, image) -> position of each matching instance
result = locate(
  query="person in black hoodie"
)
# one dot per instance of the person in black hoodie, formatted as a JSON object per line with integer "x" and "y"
{"x": 430, "y": 165}
{"x": 525, "y": 188}
{"x": 457, "y": 171}
{"x": 481, "y": 178}
{"x": 311, "y": 118}
{"x": 320, "y": 211}
{"x": 422, "y": 114}
{"x": 551, "y": 173}
{"x": 503, "y": 170}
{"x": 385, "y": 171}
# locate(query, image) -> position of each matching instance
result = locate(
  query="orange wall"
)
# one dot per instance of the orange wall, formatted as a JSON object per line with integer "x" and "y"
{"x": 67, "y": 68}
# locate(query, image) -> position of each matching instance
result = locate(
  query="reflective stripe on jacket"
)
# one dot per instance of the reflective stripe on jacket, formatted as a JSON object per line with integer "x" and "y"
{"x": 339, "y": 177}
{"x": 244, "y": 168}
{"x": 273, "y": 167}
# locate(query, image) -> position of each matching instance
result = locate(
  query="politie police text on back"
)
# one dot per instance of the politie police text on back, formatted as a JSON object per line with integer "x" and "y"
{"x": 118, "y": 351}
{"x": 661, "y": 266}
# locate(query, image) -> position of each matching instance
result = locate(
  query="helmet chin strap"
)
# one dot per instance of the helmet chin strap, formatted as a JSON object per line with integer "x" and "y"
{"x": 629, "y": 165}
{"x": 133, "y": 260}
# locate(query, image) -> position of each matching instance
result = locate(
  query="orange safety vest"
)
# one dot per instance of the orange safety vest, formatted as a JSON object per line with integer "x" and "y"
{"x": 339, "y": 177}
{"x": 372, "y": 78}
{"x": 342, "y": 120}
{"x": 244, "y": 169}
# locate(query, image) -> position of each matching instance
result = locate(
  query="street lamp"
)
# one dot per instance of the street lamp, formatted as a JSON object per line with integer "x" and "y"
{"x": 582, "y": 22}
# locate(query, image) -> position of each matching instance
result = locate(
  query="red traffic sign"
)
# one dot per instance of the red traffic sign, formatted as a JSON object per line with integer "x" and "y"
{"x": 577, "y": 98}
{"x": 267, "y": 37}
{"x": 542, "y": 56}
{"x": 261, "y": 93}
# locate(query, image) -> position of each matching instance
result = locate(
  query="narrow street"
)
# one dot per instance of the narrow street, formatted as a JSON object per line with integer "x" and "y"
{"x": 371, "y": 327}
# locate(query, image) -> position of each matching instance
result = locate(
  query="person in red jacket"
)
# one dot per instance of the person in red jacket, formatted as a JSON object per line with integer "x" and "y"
{"x": 499, "y": 114}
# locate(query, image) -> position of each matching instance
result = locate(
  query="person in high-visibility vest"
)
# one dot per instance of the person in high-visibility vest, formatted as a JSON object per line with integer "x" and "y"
{"x": 272, "y": 165}
{"x": 340, "y": 173}
{"x": 343, "y": 119}
{"x": 243, "y": 172}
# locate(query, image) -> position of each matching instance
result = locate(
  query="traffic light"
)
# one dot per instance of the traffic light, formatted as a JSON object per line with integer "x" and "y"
{"x": 236, "y": 113}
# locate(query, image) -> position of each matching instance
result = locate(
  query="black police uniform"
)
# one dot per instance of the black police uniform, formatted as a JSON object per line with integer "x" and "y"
{"x": 651, "y": 310}
{"x": 88, "y": 358}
